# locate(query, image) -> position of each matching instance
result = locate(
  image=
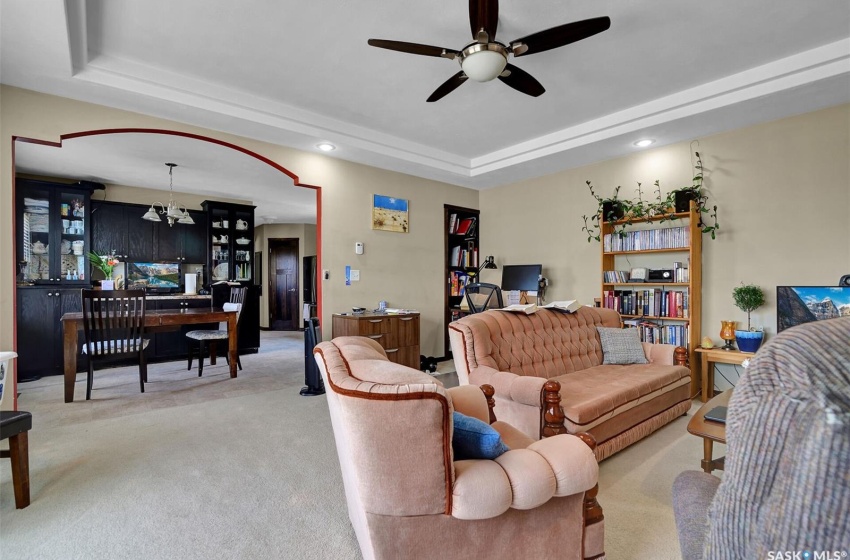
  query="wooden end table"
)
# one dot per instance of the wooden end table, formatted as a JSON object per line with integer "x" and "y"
{"x": 711, "y": 356}
{"x": 710, "y": 431}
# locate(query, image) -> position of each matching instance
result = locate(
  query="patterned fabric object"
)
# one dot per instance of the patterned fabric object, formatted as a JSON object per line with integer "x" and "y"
{"x": 121, "y": 345}
{"x": 207, "y": 335}
{"x": 621, "y": 346}
{"x": 786, "y": 485}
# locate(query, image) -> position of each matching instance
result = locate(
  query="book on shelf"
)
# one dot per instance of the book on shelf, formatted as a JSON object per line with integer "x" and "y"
{"x": 464, "y": 225}
{"x": 568, "y": 306}
{"x": 452, "y": 223}
{"x": 527, "y": 308}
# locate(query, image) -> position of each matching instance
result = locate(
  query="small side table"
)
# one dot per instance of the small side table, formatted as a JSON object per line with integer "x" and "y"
{"x": 710, "y": 431}
{"x": 711, "y": 356}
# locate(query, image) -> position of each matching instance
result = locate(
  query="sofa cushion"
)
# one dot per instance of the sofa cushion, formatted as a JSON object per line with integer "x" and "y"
{"x": 596, "y": 394}
{"x": 621, "y": 346}
{"x": 474, "y": 439}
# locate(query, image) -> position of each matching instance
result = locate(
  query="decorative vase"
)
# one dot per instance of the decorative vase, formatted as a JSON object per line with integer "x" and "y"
{"x": 727, "y": 333}
{"x": 749, "y": 341}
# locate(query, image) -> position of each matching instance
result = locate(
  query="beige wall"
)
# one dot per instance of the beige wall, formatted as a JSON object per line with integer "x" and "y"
{"x": 404, "y": 269}
{"x": 306, "y": 235}
{"x": 783, "y": 192}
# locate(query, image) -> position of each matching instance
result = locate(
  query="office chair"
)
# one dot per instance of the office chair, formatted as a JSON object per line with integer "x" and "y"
{"x": 211, "y": 337}
{"x": 481, "y": 297}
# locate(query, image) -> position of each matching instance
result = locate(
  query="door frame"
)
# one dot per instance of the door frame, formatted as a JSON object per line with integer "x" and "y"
{"x": 273, "y": 243}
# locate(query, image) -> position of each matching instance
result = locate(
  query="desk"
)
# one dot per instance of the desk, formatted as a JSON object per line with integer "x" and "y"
{"x": 154, "y": 320}
{"x": 710, "y": 431}
{"x": 711, "y": 356}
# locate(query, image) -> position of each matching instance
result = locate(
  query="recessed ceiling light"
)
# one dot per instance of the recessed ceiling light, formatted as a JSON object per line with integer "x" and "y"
{"x": 326, "y": 147}
{"x": 644, "y": 143}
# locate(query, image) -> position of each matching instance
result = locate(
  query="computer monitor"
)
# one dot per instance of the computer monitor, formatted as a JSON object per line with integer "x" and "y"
{"x": 154, "y": 277}
{"x": 522, "y": 277}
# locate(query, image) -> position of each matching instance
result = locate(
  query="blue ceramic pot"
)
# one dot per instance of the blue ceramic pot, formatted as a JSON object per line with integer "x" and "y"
{"x": 748, "y": 341}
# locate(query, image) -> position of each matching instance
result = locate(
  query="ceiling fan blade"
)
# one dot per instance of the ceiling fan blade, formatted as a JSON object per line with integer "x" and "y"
{"x": 484, "y": 14}
{"x": 559, "y": 36}
{"x": 413, "y": 48}
{"x": 522, "y": 81}
{"x": 448, "y": 86}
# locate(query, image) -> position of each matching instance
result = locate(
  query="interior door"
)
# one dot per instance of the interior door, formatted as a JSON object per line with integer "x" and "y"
{"x": 283, "y": 284}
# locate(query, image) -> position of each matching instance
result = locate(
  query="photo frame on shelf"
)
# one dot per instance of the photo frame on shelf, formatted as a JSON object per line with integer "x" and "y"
{"x": 390, "y": 214}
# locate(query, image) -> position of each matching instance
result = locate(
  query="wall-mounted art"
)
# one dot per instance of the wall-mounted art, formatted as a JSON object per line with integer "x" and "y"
{"x": 389, "y": 214}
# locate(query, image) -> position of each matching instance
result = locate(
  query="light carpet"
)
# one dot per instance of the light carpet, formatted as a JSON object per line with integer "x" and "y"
{"x": 215, "y": 467}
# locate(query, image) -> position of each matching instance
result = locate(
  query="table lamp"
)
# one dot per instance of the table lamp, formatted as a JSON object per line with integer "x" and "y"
{"x": 489, "y": 262}
{"x": 727, "y": 333}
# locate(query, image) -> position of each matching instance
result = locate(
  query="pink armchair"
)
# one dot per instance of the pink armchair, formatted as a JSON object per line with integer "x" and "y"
{"x": 409, "y": 498}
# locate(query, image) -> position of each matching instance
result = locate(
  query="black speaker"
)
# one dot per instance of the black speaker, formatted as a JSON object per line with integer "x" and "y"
{"x": 845, "y": 280}
{"x": 312, "y": 375}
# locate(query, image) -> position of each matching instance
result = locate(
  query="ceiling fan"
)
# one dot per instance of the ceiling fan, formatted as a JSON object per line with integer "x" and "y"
{"x": 486, "y": 59}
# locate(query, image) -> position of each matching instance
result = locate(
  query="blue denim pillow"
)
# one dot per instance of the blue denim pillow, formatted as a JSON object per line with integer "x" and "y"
{"x": 474, "y": 439}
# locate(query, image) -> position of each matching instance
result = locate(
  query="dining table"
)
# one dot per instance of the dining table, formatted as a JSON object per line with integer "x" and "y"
{"x": 155, "y": 321}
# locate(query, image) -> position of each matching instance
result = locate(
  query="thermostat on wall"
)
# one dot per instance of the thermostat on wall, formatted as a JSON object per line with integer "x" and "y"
{"x": 358, "y": 248}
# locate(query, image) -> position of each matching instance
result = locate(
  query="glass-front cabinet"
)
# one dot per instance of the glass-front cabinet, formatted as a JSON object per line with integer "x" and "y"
{"x": 53, "y": 227}
{"x": 231, "y": 241}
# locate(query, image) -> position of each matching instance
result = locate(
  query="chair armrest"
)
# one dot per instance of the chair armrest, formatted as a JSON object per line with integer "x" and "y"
{"x": 524, "y": 389}
{"x": 665, "y": 354}
{"x": 523, "y": 478}
{"x": 470, "y": 400}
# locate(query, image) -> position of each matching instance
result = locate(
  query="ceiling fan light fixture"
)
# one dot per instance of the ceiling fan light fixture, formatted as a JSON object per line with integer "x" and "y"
{"x": 326, "y": 147}
{"x": 484, "y": 65}
{"x": 644, "y": 143}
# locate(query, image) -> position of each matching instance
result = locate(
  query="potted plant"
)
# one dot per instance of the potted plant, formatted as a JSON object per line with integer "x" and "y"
{"x": 609, "y": 210}
{"x": 680, "y": 200}
{"x": 748, "y": 298}
{"x": 105, "y": 264}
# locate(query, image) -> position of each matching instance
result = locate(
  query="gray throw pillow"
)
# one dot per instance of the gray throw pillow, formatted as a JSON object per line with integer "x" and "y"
{"x": 621, "y": 346}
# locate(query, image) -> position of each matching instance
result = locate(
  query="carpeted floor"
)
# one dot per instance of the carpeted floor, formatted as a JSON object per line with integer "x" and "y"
{"x": 215, "y": 467}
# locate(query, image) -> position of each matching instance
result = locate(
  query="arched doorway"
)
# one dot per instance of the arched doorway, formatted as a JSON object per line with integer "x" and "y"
{"x": 291, "y": 178}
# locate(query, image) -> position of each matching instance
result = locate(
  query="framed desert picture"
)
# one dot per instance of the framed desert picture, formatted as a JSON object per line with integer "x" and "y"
{"x": 389, "y": 214}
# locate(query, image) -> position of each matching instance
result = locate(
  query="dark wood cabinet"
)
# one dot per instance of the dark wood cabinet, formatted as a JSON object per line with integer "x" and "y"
{"x": 170, "y": 345}
{"x": 182, "y": 243}
{"x": 53, "y": 233}
{"x": 230, "y": 241}
{"x": 119, "y": 227}
{"x": 249, "y": 319}
{"x": 39, "y": 336}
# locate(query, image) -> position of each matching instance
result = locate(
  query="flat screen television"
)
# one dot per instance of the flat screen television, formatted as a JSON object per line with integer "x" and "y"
{"x": 522, "y": 277}
{"x": 796, "y": 305}
{"x": 154, "y": 277}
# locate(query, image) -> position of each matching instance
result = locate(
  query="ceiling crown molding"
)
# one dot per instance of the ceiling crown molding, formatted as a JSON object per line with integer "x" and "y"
{"x": 262, "y": 118}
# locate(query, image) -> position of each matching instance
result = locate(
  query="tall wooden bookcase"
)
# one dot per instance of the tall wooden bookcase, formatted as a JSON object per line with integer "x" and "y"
{"x": 655, "y": 244}
{"x": 461, "y": 229}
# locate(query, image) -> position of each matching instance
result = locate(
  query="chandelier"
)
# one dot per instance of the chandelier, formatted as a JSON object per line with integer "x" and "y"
{"x": 174, "y": 212}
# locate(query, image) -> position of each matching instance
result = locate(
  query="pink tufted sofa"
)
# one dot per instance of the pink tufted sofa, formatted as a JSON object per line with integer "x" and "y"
{"x": 548, "y": 374}
{"x": 409, "y": 498}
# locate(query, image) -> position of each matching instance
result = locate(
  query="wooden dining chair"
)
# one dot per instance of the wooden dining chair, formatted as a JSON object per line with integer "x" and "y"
{"x": 199, "y": 340}
{"x": 114, "y": 323}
